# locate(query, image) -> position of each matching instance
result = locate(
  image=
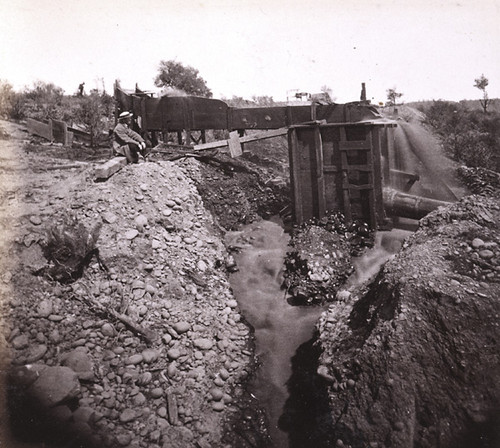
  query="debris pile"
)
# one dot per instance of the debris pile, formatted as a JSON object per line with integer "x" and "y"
{"x": 321, "y": 259}
{"x": 480, "y": 180}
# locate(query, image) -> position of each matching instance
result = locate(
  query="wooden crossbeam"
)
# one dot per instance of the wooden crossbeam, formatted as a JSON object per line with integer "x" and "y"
{"x": 247, "y": 139}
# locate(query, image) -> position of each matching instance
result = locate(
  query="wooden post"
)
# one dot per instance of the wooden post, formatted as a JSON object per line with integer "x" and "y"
{"x": 344, "y": 170}
{"x": 289, "y": 116}
{"x": 144, "y": 122}
{"x": 320, "y": 179}
{"x": 377, "y": 173}
{"x": 313, "y": 111}
{"x": 295, "y": 175}
{"x": 234, "y": 144}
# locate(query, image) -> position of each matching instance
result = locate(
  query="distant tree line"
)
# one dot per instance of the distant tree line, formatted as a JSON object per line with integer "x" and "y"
{"x": 469, "y": 136}
{"x": 42, "y": 101}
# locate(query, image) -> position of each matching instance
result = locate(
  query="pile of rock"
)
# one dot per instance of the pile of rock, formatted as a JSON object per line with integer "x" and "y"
{"x": 318, "y": 265}
{"x": 105, "y": 382}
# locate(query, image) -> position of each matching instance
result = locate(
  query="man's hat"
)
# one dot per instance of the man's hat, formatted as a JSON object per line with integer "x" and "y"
{"x": 124, "y": 115}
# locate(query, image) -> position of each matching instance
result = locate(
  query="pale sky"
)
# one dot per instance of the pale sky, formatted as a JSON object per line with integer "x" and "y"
{"x": 425, "y": 49}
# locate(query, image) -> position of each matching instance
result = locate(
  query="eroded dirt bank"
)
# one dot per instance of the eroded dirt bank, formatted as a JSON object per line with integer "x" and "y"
{"x": 413, "y": 360}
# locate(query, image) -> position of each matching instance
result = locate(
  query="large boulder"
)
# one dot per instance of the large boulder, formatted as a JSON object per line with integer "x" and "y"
{"x": 54, "y": 385}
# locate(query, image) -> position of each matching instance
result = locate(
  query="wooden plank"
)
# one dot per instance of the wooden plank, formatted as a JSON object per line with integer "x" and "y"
{"x": 293, "y": 146}
{"x": 386, "y": 151}
{"x": 335, "y": 169}
{"x": 371, "y": 191}
{"x": 377, "y": 175}
{"x": 234, "y": 144}
{"x": 320, "y": 180}
{"x": 263, "y": 135}
{"x": 357, "y": 145}
{"x": 109, "y": 168}
{"x": 211, "y": 145}
{"x": 247, "y": 139}
{"x": 79, "y": 134}
{"x": 360, "y": 187}
{"x": 345, "y": 181}
{"x": 41, "y": 129}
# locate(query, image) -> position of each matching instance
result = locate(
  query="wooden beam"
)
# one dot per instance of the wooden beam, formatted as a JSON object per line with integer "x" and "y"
{"x": 109, "y": 168}
{"x": 41, "y": 129}
{"x": 249, "y": 138}
{"x": 320, "y": 179}
{"x": 211, "y": 145}
{"x": 264, "y": 134}
{"x": 293, "y": 145}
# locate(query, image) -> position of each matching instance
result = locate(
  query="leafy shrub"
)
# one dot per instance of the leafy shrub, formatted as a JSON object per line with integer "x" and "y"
{"x": 469, "y": 136}
{"x": 69, "y": 247}
{"x": 93, "y": 113}
{"x": 45, "y": 100}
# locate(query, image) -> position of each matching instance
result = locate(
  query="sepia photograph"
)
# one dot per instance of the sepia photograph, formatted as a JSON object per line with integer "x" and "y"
{"x": 249, "y": 224}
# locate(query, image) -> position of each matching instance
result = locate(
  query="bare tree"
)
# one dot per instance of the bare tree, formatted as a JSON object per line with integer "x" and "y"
{"x": 481, "y": 83}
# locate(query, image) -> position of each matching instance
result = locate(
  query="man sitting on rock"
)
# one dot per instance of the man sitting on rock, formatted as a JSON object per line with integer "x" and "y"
{"x": 127, "y": 142}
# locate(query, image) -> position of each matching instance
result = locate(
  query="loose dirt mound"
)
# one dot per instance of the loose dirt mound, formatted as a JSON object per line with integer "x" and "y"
{"x": 167, "y": 277}
{"x": 414, "y": 361}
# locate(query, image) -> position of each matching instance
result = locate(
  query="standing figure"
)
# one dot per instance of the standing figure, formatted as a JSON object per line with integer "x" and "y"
{"x": 80, "y": 89}
{"x": 127, "y": 142}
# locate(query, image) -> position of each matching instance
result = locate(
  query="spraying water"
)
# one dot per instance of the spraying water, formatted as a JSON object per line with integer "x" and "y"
{"x": 387, "y": 245}
{"x": 417, "y": 151}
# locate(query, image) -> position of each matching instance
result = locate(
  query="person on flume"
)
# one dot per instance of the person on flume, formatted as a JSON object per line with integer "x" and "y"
{"x": 127, "y": 142}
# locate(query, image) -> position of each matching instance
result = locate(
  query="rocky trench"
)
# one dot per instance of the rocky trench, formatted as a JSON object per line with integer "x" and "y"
{"x": 408, "y": 360}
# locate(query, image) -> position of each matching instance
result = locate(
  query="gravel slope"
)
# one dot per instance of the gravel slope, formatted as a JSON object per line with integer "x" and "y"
{"x": 167, "y": 274}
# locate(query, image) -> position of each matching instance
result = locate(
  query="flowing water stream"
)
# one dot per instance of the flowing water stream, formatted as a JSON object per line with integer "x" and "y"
{"x": 279, "y": 327}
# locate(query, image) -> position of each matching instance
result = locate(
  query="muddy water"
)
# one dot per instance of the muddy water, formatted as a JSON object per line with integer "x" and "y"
{"x": 279, "y": 327}
{"x": 367, "y": 266}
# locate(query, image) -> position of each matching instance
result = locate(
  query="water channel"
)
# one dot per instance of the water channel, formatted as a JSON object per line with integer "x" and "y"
{"x": 280, "y": 328}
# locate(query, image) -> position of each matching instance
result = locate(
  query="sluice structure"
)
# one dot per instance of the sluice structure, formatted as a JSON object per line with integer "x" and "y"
{"x": 343, "y": 157}
{"x": 352, "y": 168}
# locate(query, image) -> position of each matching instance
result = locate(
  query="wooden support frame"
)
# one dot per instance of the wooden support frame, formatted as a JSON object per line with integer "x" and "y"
{"x": 350, "y": 180}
